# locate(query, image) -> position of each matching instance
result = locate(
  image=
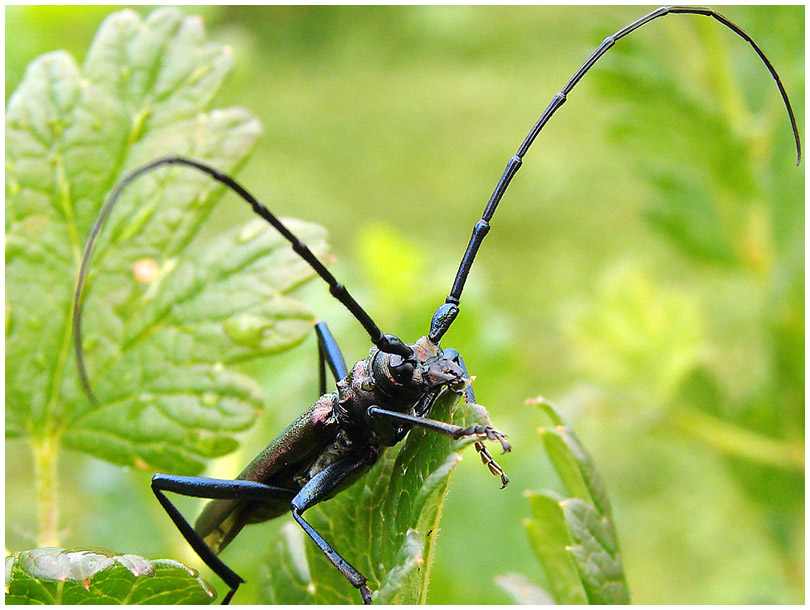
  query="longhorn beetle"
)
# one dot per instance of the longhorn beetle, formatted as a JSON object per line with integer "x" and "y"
{"x": 342, "y": 434}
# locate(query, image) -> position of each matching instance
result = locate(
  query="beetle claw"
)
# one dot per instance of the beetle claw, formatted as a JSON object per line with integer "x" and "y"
{"x": 493, "y": 435}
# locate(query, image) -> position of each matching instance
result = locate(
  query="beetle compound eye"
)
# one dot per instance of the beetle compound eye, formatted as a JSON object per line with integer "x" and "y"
{"x": 402, "y": 371}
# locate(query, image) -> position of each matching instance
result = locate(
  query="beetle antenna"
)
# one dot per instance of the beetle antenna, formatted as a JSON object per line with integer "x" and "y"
{"x": 448, "y": 311}
{"x": 386, "y": 343}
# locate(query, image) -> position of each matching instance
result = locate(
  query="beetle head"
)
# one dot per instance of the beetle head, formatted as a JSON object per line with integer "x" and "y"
{"x": 427, "y": 370}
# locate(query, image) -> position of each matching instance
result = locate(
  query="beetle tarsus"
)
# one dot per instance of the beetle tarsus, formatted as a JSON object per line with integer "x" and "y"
{"x": 365, "y": 593}
{"x": 488, "y": 432}
{"x": 490, "y": 463}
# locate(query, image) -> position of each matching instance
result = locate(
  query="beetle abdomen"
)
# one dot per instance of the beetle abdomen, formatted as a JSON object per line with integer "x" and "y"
{"x": 300, "y": 443}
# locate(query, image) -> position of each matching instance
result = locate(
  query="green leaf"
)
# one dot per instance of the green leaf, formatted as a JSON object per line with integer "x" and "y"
{"x": 523, "y": 591}
{"x": 574, "y": 538}
{"x": 596, "y": 553}
{"x": 165, "y": 315}
{"x": 550, "y": 540}
{"x": 385, "y": 524}
{"x": 60, "y": 576}
{"x": 571, "y": 461}
{"x": 170, "y": 394}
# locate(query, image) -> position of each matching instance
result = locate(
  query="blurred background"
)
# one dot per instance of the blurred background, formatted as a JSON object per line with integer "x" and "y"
{"x": 645, "y": 271}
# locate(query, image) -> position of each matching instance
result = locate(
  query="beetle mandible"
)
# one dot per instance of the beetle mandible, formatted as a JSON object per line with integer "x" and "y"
{"x": 342, "y": 434}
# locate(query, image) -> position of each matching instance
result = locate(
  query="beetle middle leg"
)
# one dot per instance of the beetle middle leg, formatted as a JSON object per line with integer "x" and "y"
{"x": 328, "y": 353}
{"x": 321, "y": 487}
{"x": 213, "y": 489}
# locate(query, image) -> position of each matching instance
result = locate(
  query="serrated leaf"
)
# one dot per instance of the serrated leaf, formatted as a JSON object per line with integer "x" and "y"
{"x": 385, "y": 524}
{"x": 596, "y": 553}
{"x": 564, "y": 463}
{"x": 164, "y": 314}
{"x": 574, "y": 538}
{"x": 97, "y": 576}
{"x": 173, "y": 397}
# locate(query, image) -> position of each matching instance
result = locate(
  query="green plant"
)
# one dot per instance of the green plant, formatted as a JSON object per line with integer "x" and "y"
{"x": 573, "y": 536}
{"x": 713, "y": 354}
{"x": 170, "y": 314}
{"x": 55, "y": 576}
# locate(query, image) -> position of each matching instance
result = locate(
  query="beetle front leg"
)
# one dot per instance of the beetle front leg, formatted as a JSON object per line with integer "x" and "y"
{"x": 457, "y": 432}
{"x": 490, "y": 463}
{"x": 483, "y": 452}
{"x": 319, "y": 488}
{"x": 441, "y": 427}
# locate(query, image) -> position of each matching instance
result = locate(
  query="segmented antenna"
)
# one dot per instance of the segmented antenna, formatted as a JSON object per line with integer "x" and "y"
{"x": 448, "y": 311}
{"x": 386, "y": 343}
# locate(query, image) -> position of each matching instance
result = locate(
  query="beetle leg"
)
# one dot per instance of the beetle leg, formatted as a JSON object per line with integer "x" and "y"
{"x": 214, "y": 489}
{"x": 490, "y": 463}
{"x": 487, "y": 432}
{"x": 328, "y": 353}
{"x": 486, "y": 456}
{"x": 456, "y": 357}
{"x": 319, "y": 488}
{"x": 441, "y": 427}
{"x": 457, "y": 432}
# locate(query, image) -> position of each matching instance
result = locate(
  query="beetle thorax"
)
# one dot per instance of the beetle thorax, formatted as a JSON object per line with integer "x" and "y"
{"x": 391, "y": 382}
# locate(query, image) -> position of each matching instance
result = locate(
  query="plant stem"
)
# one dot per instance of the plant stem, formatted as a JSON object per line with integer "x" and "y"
{"x": 45, "y": 466}
{"x": 735, "y": 440}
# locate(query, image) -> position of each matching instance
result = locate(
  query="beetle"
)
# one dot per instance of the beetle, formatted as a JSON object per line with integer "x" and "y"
{"x": 376, "y": 403}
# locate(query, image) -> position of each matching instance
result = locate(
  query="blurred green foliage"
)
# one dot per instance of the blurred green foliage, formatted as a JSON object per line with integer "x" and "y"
{"x": 573, "y": 534}
{"x": 645, "y": 270}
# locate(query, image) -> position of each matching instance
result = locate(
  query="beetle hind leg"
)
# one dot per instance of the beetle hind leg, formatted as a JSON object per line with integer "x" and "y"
{"x": 202, "y": 487}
